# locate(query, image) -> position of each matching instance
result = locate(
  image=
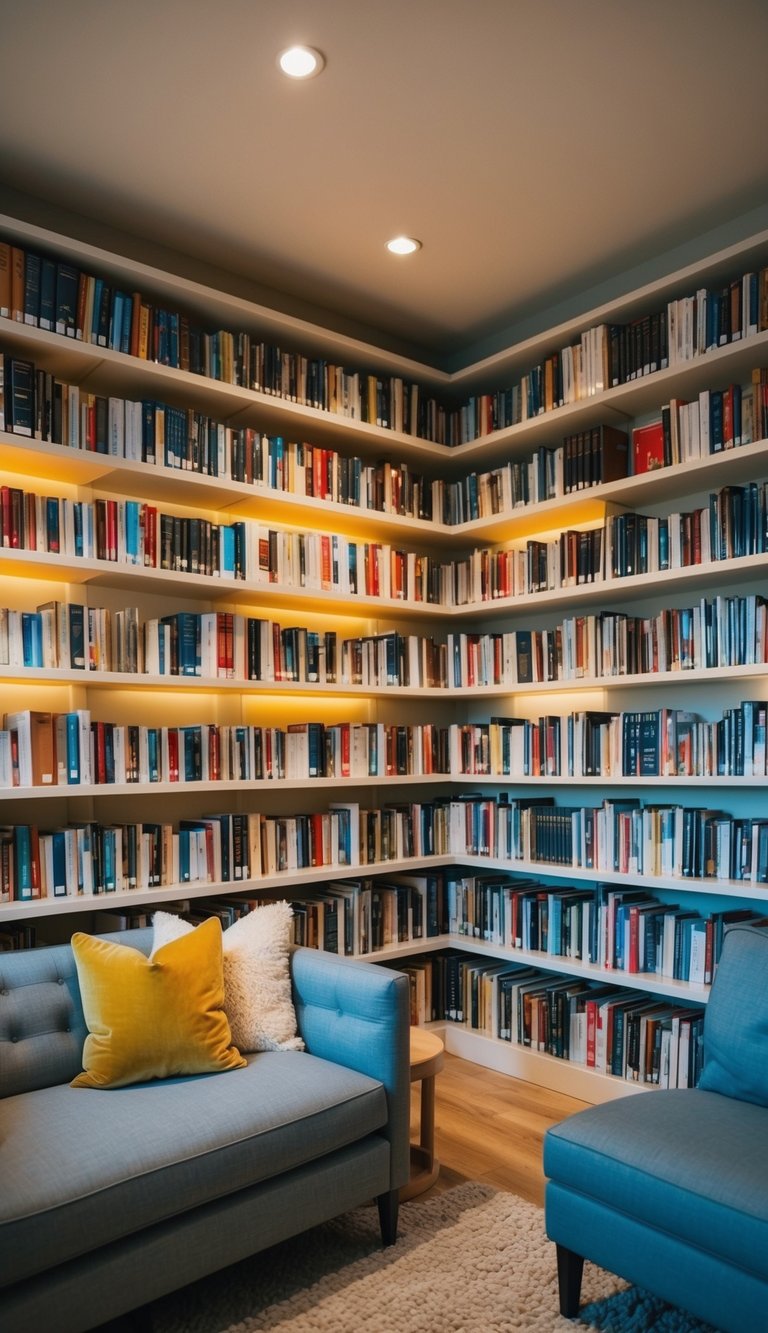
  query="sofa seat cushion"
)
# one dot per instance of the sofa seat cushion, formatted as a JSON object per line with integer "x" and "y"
{"x": 685, "y": 1162}
{"x": 82, "y": 1168}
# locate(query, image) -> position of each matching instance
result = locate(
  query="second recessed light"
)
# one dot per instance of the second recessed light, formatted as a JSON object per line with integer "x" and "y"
{"x": 301, "y": 62}
{"x": 403, "y": 245}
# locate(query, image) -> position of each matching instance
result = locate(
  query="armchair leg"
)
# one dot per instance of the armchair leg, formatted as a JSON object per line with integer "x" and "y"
{"x": 570, "y": 1267}
{"x": 388, "y": 1205}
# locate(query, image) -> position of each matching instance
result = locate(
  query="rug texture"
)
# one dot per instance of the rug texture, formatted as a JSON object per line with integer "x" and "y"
{"x": 471, "y": 1260}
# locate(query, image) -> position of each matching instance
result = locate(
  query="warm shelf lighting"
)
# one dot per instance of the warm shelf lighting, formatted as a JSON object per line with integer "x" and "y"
{"x": 301, "y": 62}
{"x": 403, "y": 245}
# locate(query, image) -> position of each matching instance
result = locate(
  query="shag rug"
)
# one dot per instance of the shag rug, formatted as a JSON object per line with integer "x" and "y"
{"x": 472, "y": 1260}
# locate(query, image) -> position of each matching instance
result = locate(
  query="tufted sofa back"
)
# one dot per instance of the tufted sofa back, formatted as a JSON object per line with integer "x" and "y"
{"x": 42, "y": 1029}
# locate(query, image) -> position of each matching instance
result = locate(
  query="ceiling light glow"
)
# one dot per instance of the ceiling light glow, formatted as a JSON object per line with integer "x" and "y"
{"x": 403, "y": 245}
{"x": 301, "y": 62}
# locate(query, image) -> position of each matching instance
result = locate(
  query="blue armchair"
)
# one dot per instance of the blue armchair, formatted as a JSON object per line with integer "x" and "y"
{"x": 670, "y": 1189}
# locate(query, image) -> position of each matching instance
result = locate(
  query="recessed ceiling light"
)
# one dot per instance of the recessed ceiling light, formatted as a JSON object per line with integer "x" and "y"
{"x": 403, "y": 245}
{"x": 301, "y": 62}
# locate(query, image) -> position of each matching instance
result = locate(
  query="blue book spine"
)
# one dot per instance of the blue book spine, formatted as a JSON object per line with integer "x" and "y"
{"x": 59, "y": 862}
{"x": 32, "y": 638}
{"x": 226, "y": 552}
{"x": 125, "y": 336}
{"x": 47, "y": 317}
{"x": 133, "y": 549}
{"x": 116, "y": 321}
{"x": 109, "y": 871}
{"x": 73, "y": 748}
{"x": 153, "y": 754}
{"x": 22, "y": 847}
{"x": 184, "y": 858}
{"x": 98, "y": 289}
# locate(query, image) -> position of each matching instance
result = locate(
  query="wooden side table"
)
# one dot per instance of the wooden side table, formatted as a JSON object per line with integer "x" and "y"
{"x": 426, "y": 1062}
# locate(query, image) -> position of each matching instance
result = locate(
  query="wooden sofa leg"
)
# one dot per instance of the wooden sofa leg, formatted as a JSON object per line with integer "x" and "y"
{"x": 570, "y": 1267}
{"x": 388, "y": 1205}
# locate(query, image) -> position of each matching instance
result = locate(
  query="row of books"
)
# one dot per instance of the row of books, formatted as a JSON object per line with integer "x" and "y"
{"x": 43, "y": 291}
{"x": 654, "y": 742}
{"x": 598, "y": 1026}
{"x": 92, "y": 858}
{"x": 624, "y": 836}
{"x": 17, "y": 935}
{"x": 67, "y": 749}
{"x": 718, "y": 419}
{"x": 365, "y": 916}
{"x": 734, "y": 524}
{"x": 621, "y": 929}
{"x": 218, "y": 645}
{"x": 70, "y": 749}
{"x": 693, "y": 843}
{"x": 611, "y": 354}
{"x": 33, "y": 404}
{"x": 40, "y": 290}
{"x": 717, "y": 632}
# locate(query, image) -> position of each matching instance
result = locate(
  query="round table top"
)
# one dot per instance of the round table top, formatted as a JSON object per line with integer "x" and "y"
{"x": 426, "y": 1053}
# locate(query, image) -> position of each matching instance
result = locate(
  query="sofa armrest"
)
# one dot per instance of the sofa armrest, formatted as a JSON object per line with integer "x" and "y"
{"x": 358, "y": 1014}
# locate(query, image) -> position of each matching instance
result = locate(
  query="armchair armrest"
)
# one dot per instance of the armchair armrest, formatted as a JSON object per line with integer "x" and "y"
{"x": 358, "y": 1015}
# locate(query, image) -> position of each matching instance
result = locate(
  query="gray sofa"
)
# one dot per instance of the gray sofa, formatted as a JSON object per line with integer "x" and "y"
{"x": 670, "y": 1189}
{"x": 109, "y": 1199}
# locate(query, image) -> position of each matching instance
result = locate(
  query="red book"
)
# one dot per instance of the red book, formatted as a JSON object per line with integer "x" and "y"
{"x": 591, "y": 1015}
{"x": 100, "y": 751}
{"x": 214, "y": 754}
{"x": 648, "y": 448}
{"x": 316, "y": 839}
{"x": 30, "y": 522}
{"x": 150, "y": 535}
{"x": 277, "y": 652}
{"x": 34, "y": 860}
{"x": 345, "y": 738}
{"x": 318, "y": 472}
{"x": 173, "y": 754}
{"x": 111, "y": 529}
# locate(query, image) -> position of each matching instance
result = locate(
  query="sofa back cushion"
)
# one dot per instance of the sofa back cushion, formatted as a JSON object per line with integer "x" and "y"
{"x": 42, "y": 1028}
{"x": 736, "y": 1019}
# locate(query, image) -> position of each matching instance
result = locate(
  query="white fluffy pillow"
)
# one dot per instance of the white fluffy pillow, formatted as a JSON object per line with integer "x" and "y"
{"x": 257, "y": 983}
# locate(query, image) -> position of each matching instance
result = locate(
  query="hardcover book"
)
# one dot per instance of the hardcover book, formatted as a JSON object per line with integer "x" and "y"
{"x": 648, "y": 448}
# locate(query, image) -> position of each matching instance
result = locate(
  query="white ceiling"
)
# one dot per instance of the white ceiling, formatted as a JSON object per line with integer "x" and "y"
{"x": 534, "y": 146}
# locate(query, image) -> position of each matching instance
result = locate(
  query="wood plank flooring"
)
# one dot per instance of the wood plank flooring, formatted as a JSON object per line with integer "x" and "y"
{"x": 490, "y": 1127}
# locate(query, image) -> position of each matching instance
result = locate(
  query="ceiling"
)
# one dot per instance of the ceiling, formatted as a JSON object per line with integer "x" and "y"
{"x": 536, "y": 147}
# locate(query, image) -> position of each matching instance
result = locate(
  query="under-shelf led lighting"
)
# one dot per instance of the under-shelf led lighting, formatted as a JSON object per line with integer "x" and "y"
{"x": 403, "y": 245}
{"x": 301, "y": 62}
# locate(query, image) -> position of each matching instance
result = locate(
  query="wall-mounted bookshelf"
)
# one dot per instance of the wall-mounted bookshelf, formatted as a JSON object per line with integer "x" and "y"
{"x": 431, "y": 623}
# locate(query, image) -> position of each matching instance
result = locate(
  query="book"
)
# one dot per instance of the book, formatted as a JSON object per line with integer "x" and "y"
{"x": 5, "y": 279}
{"x": 19, "y": 385}
{"x": 648, "y": 448}
{"x": 34, "y": 731}
{"x": 67, "y": 286}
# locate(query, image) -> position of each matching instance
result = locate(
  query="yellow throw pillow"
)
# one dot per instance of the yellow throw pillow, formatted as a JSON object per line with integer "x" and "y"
{"x": 153, "y": 1018}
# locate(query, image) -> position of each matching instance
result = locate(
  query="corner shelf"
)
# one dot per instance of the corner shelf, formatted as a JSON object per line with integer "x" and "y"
{"x": 105, "y": 371}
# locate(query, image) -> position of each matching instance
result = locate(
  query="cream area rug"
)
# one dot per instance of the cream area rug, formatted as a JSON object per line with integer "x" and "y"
{"x": 471, "y": 1260}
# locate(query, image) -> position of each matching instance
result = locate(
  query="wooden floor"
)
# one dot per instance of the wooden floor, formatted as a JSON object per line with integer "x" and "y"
{"x": 490, "y": 1127}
